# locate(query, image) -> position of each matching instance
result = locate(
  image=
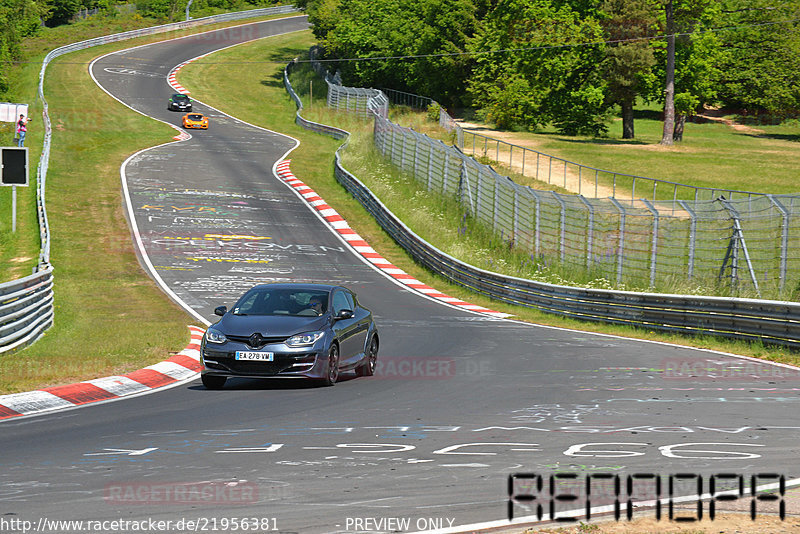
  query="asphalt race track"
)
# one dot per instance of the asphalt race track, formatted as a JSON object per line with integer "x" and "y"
{"x": 460, "y": 402}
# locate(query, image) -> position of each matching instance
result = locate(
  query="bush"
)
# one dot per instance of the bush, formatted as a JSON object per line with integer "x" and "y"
{"x": 433, "y": 112}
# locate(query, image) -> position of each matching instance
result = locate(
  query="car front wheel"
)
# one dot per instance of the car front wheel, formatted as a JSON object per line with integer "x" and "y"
{"x": 213, "y": 382}
{"x": 332, "y": 373}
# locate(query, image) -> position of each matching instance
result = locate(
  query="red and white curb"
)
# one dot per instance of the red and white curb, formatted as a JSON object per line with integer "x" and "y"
{"x": 182, "y": 367}
{"x": 172, "y": 77}
{"x": 362, "y": 247}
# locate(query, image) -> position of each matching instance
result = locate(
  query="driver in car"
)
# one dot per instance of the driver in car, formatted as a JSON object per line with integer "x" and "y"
{"x": 315, "y": 303}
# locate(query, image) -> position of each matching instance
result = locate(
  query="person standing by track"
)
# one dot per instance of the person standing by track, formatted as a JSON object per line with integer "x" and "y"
{"x": 22, "y": 129}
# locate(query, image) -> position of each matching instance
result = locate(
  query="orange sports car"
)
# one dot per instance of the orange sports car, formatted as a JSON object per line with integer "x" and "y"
{"x": 195, "y": 120}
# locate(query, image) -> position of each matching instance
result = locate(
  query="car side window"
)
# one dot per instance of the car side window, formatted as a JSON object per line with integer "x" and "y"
{"x": 351, "y": 305}
{"x": 340, "y": 302}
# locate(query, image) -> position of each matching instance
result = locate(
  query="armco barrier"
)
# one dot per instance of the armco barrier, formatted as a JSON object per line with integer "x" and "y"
{"x": 771, "y": 322}
{"x": 26, "y": 309}
{"x": 26, "y": 304}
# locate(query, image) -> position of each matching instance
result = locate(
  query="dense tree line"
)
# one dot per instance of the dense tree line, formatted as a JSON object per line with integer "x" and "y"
{"x": 18, "y": 19}
{"x": 571, "y": 63}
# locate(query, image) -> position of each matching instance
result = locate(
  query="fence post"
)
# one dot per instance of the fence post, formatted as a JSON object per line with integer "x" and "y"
{"x": 737, "y": 239}
{"x": 562, "y": 245}
{"x": 478, "y": 187}
{"x": 416, "y": 154}
{"x": 403, "y": 150}
{"x": 536, "y": 220}
{"x": 784, "y": 239}
{"x": 430, "y": 161}
{"x": 516, "y": 212}
{"x": 392, "y": 143}
{"x": 446, "y": 170}
{"x": 589, "y": 232}
{"x": 496, "y": 202}
{"x": 464, "y": 180}
{"x": 621, "y": 246}
{"x": 692, "y": 238}
{"x": 596, "y": 172}
{"x": 654, "y": 245}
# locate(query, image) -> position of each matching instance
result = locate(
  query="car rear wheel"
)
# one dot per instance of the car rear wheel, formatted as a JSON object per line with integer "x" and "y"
{"x": 213, "y": 382}
{"x": 371, "y": 359}
{"x": 332, "y": 374}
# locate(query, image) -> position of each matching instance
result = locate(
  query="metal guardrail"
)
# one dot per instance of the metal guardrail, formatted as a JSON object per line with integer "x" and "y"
{"x": 26, "y": 304}
{"x": 26, "y": 309}
{"x": 767, "y": 321}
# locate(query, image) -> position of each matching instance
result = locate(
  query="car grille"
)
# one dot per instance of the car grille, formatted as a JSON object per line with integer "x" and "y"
{"x": 267, "y": 340}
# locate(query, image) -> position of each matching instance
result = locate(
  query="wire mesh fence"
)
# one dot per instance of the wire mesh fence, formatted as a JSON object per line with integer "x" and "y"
{"x": 731, "y": 241}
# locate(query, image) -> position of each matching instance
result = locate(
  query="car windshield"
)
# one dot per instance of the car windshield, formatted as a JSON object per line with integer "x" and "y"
{"x": 275, "y": 301}
{"x": 180, "y": 98}
{"x": 195, "y": 117}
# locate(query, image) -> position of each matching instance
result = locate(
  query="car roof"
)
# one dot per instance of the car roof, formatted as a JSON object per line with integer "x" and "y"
{"x": 179, "y": 95}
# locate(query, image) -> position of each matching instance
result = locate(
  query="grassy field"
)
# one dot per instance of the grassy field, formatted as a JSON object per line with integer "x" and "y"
{"x": 713, "y": 153}
{"x": 272, "y": 108}
{"x": 110, "y": 317}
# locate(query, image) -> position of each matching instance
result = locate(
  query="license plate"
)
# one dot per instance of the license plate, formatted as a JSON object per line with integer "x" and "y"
{"x": 255, "y": 356}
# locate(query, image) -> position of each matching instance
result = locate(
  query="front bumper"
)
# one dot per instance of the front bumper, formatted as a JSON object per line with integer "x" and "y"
{"x": 297, "y": 364}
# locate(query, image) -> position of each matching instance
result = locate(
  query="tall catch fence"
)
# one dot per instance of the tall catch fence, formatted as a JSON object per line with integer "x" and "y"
{"x": 772, "y": 322}
{"x": 747, "y": 241}
{"x": 26, "y": 304}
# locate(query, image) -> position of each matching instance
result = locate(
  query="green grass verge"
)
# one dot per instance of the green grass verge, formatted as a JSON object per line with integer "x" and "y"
{"x": 110, "y": 317}
{"x": 257, "y": 95}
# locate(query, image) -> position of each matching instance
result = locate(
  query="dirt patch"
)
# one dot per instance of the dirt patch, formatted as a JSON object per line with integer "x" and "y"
{"x": 540, "y": 168}
{"x": 716, "y": 115}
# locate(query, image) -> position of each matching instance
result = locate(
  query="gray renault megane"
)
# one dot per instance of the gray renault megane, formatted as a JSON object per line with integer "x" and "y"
{"x": 312, "y": 331}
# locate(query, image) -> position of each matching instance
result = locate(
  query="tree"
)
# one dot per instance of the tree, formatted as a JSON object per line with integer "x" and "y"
{"x": 760, "y": 56}
{"x": 537, "y": 64}
{"x": 669, "y": 83}
{"x": 18, "y": 19}
{"x": 688, "y": 62}
{"x": 627, "y": 59}
{"x": 431, "y": 34}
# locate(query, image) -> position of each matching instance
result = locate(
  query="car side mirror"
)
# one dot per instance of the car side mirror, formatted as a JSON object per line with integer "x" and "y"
{"x": 344, "y": 314}
{"x": 220, "y": 310}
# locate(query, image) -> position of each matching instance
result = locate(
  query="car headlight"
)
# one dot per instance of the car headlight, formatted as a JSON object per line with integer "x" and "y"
{"x": 215, "y": 336}
{"x": 304, "y": 340}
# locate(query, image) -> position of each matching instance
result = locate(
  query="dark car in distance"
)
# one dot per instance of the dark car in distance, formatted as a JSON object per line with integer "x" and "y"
{"x": 290, "y": 330}
{"x": 179, "y": 102}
